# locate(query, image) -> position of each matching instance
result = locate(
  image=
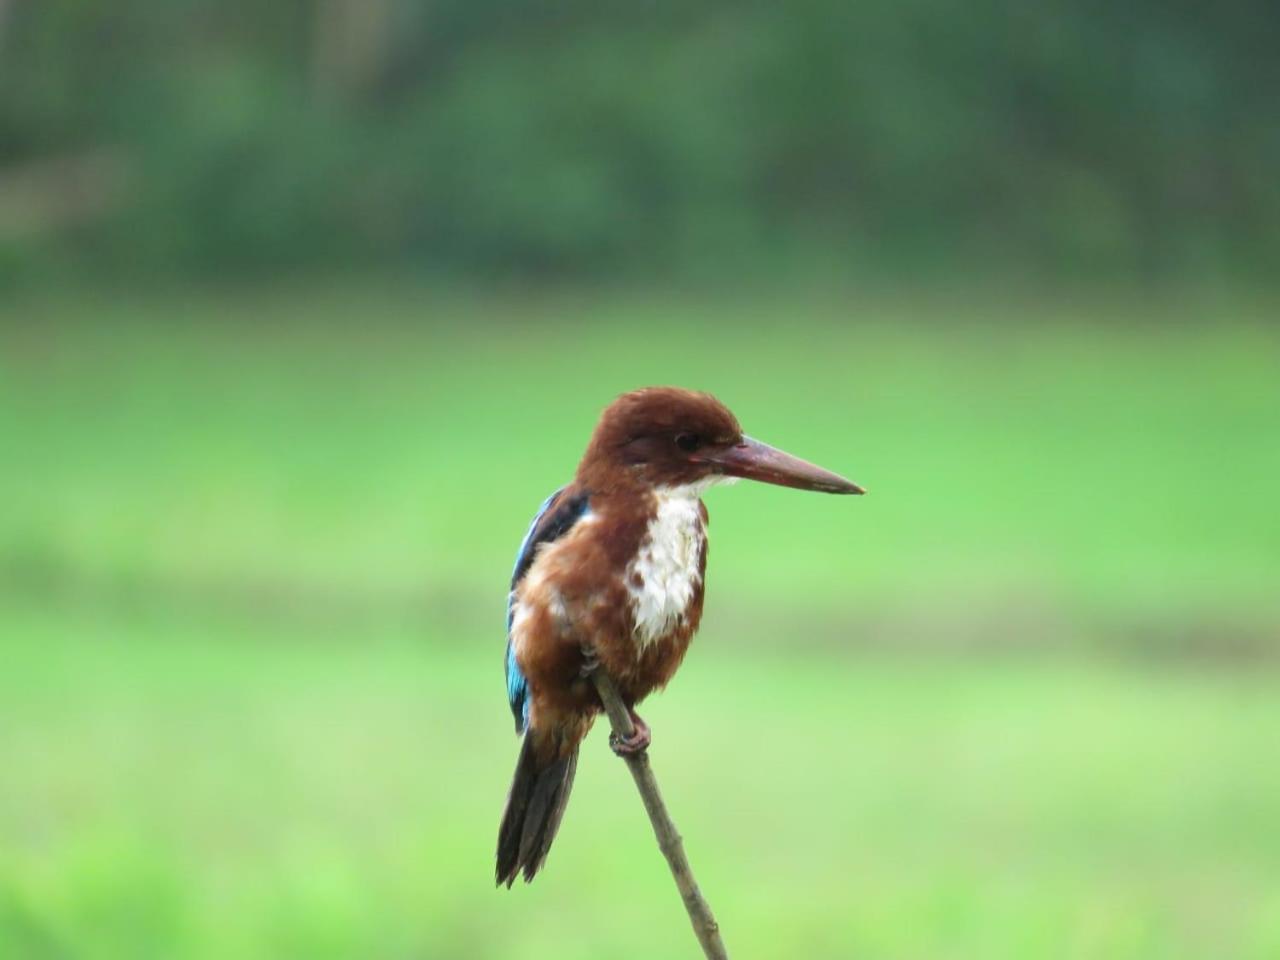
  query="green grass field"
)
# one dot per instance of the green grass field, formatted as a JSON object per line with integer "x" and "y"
{"x": 1021, "y": 701}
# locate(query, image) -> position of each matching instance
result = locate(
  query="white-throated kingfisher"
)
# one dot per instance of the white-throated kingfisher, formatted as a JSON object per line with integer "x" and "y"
{"x": 610, "y": 575}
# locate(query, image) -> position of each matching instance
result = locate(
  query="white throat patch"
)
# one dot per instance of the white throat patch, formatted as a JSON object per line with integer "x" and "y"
{"x": 667, "y": 562}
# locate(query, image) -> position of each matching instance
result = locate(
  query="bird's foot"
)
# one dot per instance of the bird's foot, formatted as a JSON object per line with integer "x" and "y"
{"x": 637, "y": 743}
{"x": 590, "y": 662}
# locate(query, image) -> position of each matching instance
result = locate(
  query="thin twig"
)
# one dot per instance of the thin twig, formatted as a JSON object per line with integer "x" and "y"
{"x": 669, "y": 842}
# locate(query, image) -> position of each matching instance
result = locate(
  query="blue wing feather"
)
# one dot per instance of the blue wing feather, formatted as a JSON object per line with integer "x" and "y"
{"x": 548, "y": 525}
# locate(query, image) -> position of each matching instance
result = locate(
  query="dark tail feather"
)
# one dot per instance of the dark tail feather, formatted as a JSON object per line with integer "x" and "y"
{"x": 534, "y": 808}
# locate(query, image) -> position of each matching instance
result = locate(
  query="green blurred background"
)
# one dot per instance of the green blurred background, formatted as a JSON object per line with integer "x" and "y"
{"x": 305, "y": 306}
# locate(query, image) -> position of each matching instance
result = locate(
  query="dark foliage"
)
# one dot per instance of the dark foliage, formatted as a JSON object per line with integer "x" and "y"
{"x": 662, "y": 138}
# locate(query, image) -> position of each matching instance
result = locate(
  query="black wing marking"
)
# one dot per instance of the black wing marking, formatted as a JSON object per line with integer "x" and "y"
{"x": 554, "y": 519}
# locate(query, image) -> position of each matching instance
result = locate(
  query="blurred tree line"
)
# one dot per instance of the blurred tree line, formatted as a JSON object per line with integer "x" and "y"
{"x": 667, "y": 137}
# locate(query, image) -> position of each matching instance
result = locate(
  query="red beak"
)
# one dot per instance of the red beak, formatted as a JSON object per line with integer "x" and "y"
{"x": 754, "y": 460}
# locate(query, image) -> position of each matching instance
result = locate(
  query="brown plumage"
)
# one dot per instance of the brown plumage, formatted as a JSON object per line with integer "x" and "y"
{"x": 611, "y": 573}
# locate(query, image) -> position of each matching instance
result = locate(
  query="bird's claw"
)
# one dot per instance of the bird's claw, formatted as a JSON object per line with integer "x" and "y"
{"x": 637, "y": 743}
{"x": 590, "y": 662}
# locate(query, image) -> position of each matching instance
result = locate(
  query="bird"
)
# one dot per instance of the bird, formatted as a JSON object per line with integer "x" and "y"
{"x": 610, "y": 576}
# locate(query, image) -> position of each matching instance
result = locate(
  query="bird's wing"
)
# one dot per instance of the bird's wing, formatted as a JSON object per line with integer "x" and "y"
{"x": 556, "y": 517}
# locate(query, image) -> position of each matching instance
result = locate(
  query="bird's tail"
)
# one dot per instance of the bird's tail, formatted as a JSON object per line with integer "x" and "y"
{"x": 539, "y": 793}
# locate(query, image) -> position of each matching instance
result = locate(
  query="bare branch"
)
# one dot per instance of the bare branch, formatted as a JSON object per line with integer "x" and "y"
{"x": 669, "y": 842}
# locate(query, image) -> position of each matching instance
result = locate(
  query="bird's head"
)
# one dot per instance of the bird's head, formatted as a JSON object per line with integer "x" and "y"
{"x": 668, "y": 437}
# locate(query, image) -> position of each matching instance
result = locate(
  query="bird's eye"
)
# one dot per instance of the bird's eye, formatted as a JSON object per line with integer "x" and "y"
{"x": 688, "y": 442}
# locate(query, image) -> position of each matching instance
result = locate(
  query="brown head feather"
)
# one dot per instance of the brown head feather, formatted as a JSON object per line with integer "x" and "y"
{"x": 645, "y": 438}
